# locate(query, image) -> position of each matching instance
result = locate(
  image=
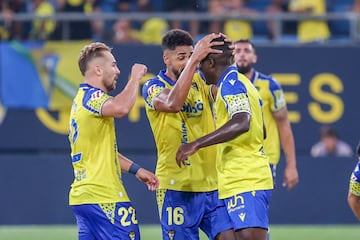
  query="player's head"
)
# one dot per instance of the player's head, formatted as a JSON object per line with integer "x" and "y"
{"x": 213, "y": 65}
{"x": 98, "y": 65}
{"x": 244, "y": 55}
{"x": 358, "y": 150}
{"x": 177, "y": 46}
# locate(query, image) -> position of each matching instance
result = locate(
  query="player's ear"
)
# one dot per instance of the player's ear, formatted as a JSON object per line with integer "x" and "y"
{"x": 212, "y": 62}
{"x": 98, "y": 70}
{"x": 166, "y": 56}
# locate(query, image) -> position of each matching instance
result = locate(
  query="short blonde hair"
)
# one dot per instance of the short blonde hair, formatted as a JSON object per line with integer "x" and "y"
{"x": 90, "y": 52}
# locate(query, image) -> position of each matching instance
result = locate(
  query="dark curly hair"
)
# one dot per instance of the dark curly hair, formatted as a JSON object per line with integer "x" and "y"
{"x": 175, "y": 38}
{"x": 224, "y": 58}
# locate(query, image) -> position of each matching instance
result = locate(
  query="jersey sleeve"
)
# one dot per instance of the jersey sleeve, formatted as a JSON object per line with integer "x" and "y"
{"x": 234, "y": 94}
{"x": 278, "y": 97}
{"x": 151, "y": 89}
{"x": 354, "y": 187}
{"x": 94, "y": 99}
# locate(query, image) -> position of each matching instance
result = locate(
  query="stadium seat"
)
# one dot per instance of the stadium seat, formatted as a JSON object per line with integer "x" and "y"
{"x": 259, "y": 27}
{"x": 340, "y": 28}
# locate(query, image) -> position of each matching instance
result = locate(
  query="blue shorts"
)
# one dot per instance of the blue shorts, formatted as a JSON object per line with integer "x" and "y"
{"x": 106, "y": 221}
{"x": 249, "y": 209}
{"x": 183, "y": 213}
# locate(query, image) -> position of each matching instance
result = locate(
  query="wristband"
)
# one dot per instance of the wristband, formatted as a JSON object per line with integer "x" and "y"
{"x": 134, "y": 168}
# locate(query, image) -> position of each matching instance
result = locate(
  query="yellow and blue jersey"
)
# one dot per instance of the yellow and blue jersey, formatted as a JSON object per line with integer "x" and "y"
{"x": 170, "y": 130}
{"x": 94, "y": 151}
{"x": 273, "y": 99}
{"x": 243, "y": 164}
{"x": 354, "y": 187}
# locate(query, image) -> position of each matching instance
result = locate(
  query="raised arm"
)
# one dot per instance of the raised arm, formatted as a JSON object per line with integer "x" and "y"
{"x": 174, "y": 99}
{"x": 121, "y": 104}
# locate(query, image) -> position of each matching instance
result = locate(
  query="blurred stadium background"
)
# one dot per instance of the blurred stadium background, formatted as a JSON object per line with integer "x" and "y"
{"x": 39, "y": 77}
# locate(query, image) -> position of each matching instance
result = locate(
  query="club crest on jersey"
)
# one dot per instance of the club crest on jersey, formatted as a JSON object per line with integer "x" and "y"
{"x": 171, "y": 234}
{"x": 132, "y": 235}
{"x": 97, "y": 94}
{"x": 151, "y": 89}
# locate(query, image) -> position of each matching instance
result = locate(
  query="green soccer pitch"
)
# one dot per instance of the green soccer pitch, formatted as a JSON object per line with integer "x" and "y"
{"x": 153, "y": 232}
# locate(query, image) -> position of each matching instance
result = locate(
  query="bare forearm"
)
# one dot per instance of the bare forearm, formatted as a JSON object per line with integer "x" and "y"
{"x": 177, "y": 96}
{"x": 125, "y": 163}
{"x": 354, "y": 203}
{"x": 287, "y": 142}
{"x": 238, "y": 125}
{"x": 286, "y": 136}
{"x": 127, "y": 97}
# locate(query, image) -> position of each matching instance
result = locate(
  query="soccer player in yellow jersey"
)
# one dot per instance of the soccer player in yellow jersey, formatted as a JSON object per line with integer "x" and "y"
{"x": 244, "y": 175}
{"x": 354, "y": 188}
{"x": 276, "y": 120}
{"x": 98, "y": 198}
{"x": 178, "y": 109}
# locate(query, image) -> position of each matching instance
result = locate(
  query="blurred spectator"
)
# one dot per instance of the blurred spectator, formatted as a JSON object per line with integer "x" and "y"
{"x": 144, "y": 6}
{"x": 279, "y": 7}
{"x": 310, "y": 30}
{"x": 141, "y": 6}
{"x": 123, "y": 32}
{"x": 10, "y": 29}
{"x": 183, "y": 6}
{"x": 102, "y": 28}
{"x": 233, "y": 28}
{"x": 356, "y": 6}
{"x": 73, "y": 30}
{"x": 356, "y": 9}
{"x": 113, "y": 5}
{"x": 330, "y": 144}
{"x": 42, "y": 28}
{"x": 153, "y": 30}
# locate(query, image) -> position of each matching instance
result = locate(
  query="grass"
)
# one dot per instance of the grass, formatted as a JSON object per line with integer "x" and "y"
{"x": 153, "y": 232}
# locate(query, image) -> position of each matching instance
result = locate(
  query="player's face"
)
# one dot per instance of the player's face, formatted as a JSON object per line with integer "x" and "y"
{"x": 244, "y": 57}
{"x": 176, "y": 60}
{"x": 110, "y": 72}
{"x": 206, "y": 69}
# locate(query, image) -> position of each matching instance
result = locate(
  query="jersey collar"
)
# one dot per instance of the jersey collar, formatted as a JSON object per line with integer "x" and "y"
{"x": 254, "y": 76}
{"x": 166, "y": 78}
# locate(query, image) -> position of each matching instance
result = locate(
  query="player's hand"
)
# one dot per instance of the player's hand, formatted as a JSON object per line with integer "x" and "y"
{"x": 138, "y": 71}
{"x": 148, "y": 178}
{"x": 183, "y": 152}
{"x": 291, "y": 177}
{"x": 204, "y": 47}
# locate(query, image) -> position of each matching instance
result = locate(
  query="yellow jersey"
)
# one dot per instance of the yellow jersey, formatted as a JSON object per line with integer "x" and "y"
{"x": 243, "y": 164}
{"x": 94, "y": 151}
{"x": 170, "y": 130}
{"x": 273, "y": 99}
